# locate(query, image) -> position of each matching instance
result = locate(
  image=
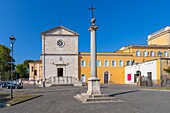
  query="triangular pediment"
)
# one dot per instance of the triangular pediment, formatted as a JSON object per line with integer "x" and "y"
{"x": 60, "y": 30}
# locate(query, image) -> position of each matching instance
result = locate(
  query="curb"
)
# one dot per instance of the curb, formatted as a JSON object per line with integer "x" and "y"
{"x": 155, "y": 90}
{"x": 20, "y": 101}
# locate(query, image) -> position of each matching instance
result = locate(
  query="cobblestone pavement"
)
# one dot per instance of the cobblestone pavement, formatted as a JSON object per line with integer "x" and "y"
{"x": 60, "y": 100}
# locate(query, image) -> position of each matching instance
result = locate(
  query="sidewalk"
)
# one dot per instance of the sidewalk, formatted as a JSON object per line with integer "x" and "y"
{"x": 154, "y": 89}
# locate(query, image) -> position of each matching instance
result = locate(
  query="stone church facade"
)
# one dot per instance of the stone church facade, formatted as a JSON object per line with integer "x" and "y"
{"x": 59, "y": 54}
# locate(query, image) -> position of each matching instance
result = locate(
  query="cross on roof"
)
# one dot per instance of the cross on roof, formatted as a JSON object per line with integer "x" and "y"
{"x": 92, "y": 9}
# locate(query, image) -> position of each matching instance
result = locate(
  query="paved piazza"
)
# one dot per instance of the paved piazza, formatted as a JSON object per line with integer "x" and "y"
{"x": 60, "y": 100}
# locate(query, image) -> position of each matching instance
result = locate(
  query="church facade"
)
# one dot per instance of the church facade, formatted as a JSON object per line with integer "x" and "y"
{"x": 62, "y": 63}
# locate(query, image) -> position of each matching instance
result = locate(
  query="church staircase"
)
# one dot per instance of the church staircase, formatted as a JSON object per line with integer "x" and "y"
{"x": 62, "y": 81}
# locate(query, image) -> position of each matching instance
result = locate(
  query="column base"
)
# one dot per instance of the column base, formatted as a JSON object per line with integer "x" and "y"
{"x": 94, "y": 94}
{"x": 85, "y": 98}
{"x": 93, "y": 86}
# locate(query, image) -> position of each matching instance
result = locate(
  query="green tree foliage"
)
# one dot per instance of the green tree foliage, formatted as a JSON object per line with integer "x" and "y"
{"x": 167, "y": 70}
{"x": 5, "y": 67}
{"x": 26, "y": 62}
{"x": 23, "y": 69}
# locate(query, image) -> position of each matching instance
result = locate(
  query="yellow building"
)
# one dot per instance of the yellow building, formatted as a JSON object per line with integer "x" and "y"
{"x": 35, "y": 72}
{"x": 111, "y": 65}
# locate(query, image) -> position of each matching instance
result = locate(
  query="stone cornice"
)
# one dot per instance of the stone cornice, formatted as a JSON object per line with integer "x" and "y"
{"x": 59, "y": 35}
{"x": 86, "y": 54}
{"x": 59, "y": 27}
{"x": 59, "y": 54}
{"x": 151, "y": 46}
{"x": 158, "y": 35}
{"x": 107, "y": 54}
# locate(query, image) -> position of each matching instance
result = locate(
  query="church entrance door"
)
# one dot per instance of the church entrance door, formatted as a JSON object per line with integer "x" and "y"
{"x": 60, "y": 72}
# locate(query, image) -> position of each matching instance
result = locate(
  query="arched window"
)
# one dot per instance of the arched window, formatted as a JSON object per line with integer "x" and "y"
{"x": 165, "y": 54}
{"x": 128, "y": 62}
{"x": 152, "y": 54}
{"x": 98, "y": 62}
{"x": 137, "y": 53}
{"x": 113, "y": 62}
{"x": 120, "y": 62}
{"x": 159, "y": 53}
{"x": 145, "y": 53}
{"x": 106, "y": 62}
{"x": 83, "y": 78}
{"x": 83, "y": 63}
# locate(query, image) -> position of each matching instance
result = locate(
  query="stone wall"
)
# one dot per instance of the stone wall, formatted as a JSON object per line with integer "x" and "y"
{"x": 51, "y": 47}
{"x": 70, "y": 69}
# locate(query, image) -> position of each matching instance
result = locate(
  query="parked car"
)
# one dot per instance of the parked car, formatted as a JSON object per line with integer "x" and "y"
{"x": 14, "y": 86}
{"x": 4, "y": 84}
{"x": 1, "y": 83}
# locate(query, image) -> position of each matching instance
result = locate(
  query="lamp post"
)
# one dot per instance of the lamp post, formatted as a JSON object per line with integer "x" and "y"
{"x": 12, "y": 40}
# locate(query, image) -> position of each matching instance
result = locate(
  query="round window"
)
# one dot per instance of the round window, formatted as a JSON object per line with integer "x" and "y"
{"x": 60, "y": 43}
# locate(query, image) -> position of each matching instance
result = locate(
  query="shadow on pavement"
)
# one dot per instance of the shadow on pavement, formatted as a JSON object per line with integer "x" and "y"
{"x": 4, "y": 98}
{"x": 121, "y": 93}
{"x": 103, "y": 86}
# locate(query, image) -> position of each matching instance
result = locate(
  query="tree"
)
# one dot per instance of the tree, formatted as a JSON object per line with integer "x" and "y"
{"x": 5, "y": 66}
{"x": 23, "y": 69}
{"x": 26, "y": 62}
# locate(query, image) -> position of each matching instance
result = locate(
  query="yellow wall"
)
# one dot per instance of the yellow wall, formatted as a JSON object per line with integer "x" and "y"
{"x": 116, "y": 72}
{"x": 158, "y": 72}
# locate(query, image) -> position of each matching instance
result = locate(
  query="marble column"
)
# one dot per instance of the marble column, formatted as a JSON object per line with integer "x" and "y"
{"x": 93, "y": 81}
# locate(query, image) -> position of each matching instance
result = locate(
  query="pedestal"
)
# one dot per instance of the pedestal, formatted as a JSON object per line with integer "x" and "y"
{"x": 93, "y": 86}
{"x": 94, "y": 94}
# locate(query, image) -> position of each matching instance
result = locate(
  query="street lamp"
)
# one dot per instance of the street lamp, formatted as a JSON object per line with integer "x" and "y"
{"x": 12, "y": 40}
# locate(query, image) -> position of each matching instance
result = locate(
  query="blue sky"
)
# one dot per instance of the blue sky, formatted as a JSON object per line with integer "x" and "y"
{"x": 121, "y": 22}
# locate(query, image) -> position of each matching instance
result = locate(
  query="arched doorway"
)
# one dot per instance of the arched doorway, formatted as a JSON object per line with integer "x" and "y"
{"x": 106, "y": 77}
{"x": 83, "y": 78}
{"x": 137, "y": 75}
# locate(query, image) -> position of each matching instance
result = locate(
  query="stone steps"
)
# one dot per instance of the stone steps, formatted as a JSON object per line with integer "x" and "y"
{"x": 85, "y": 98}
{"x": 62, "y": 85}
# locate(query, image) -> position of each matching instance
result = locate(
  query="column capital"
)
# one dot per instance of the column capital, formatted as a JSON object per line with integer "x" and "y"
{"x": 93, "y": 27}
